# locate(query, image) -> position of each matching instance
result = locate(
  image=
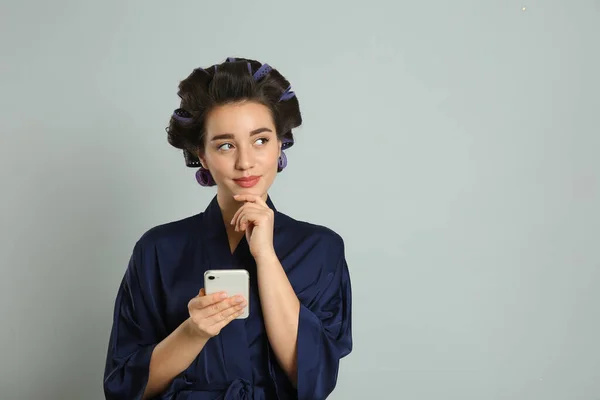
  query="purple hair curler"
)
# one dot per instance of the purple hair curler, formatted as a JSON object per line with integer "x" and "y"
{"x": 204, "y": 178}
{"x": 262, "y": 72}
{"x": 282, "y": 162}
{"x": 182, "y": 116}
{"x": 288, "y": 94}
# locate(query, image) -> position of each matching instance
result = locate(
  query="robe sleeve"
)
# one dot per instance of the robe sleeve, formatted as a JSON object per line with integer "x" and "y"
{"x": 135, "y": 330}
{"x": 324, "y": 333}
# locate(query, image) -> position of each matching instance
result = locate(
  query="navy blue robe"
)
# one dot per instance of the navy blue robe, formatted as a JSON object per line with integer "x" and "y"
{"x": 166, "y": 270}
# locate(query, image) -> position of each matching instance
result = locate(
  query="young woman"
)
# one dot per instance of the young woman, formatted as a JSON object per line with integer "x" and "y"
{"x": 169, "y": 339}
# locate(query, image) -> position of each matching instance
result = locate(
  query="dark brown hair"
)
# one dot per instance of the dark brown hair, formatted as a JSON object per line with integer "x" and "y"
{"x": 230, "y": 82}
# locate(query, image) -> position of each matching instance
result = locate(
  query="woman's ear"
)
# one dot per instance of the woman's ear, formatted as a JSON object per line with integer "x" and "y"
{"x": 202, "y": 159}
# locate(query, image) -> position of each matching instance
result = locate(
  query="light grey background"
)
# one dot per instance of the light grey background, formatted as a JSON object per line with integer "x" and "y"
{"x": 453, "y": 144}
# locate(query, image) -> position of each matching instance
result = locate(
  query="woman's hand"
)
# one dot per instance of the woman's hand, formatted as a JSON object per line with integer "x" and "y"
{"x": 210, "y": 314}
{"x": 256, "y": 219}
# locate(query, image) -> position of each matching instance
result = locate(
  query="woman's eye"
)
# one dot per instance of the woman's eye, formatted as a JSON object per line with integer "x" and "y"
{"x": 224, "y": 146}
{"x": 262, "y": 141}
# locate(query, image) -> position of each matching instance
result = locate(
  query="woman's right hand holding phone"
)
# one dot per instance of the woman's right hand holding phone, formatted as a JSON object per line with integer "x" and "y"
{"x": 209, "y": 314}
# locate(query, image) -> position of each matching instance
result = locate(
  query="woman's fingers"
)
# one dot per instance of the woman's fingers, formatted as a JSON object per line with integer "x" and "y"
{"x": 247, "y": 218}
{"x": 220, "y": 325}
{"x": 224, "y": 316}
{"x": 212, "y": 305}
{"x": 203, "y": 301}
{"x": 251, "y": 198}
{"x": 243, "y": 209}
{"x": 220, "y": 307}
{"x": 210, "y": 313}
{"x": 237, "y": 214}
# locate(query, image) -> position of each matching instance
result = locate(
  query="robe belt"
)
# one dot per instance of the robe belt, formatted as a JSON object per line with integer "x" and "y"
{"x": 238, "y": 389}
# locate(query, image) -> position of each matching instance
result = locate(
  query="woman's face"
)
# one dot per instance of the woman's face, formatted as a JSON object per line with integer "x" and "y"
{"x": 241, "y": 149}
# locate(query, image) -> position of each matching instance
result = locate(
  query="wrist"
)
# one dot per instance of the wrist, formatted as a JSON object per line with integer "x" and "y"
{"x": 268, "y": 257}
{"x": 192, "y": 332}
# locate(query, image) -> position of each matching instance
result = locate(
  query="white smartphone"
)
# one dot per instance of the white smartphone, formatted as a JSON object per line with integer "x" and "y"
{"x": 232, "y": 281}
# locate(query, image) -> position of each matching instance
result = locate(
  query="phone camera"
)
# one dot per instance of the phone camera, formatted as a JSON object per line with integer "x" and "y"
{"x": 211, "y": 277}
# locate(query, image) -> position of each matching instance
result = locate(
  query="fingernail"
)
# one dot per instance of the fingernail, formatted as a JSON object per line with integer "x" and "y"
{"x": 223, "y": 295}
{"x": 238, "y": 299}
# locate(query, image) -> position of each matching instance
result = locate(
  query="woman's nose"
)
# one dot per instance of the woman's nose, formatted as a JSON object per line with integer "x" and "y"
{"x": 245, "y": 159}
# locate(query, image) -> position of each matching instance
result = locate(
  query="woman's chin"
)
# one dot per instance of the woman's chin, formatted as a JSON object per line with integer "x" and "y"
{"x": 236, "y": 190}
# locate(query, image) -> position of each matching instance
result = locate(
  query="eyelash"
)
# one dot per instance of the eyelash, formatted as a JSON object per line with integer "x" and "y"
{"x": 220, "y": 147}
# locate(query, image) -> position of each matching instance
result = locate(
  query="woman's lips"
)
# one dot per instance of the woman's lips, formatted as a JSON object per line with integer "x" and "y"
{"x": 247, "y": 181}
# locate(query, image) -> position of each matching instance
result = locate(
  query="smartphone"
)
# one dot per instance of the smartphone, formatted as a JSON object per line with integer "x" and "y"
{"x": 232, "y": 281}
